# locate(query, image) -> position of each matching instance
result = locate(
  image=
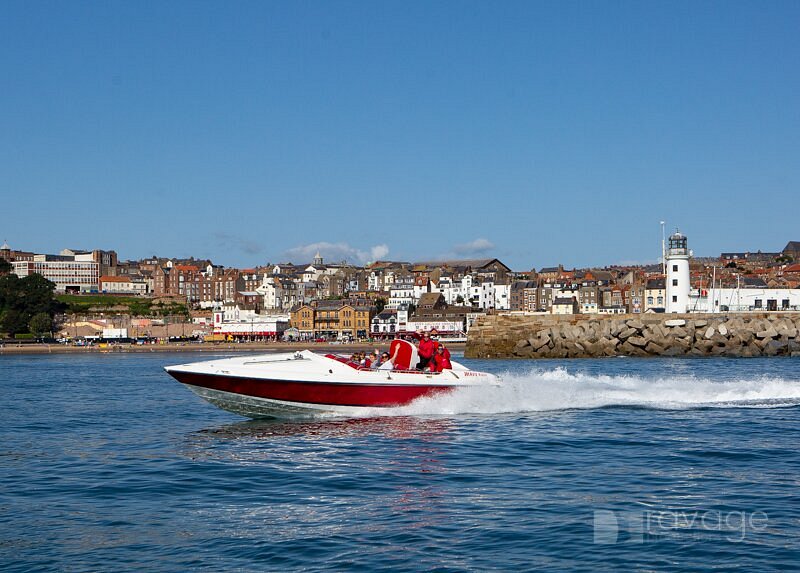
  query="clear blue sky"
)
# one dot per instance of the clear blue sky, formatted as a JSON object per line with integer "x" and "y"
{"x": 536, "y": 132}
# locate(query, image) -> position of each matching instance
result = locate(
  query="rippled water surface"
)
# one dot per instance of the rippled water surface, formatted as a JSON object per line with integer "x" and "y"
{"x": 107, "y": 464}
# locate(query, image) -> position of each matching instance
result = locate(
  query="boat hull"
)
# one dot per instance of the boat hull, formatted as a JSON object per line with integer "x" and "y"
{"x": 287, "y": 385}
{"x": 256, "y": 408}
{"x": 355, "y": 394}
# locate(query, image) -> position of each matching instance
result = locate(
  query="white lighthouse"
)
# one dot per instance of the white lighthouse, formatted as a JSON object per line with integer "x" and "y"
{"x": 678, "y": 283}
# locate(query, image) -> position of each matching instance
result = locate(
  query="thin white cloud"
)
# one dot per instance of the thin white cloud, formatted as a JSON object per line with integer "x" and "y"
{"x": 378, "y": 252}
{"x": 337, "y": 252}
{"x": 476, "y": 247}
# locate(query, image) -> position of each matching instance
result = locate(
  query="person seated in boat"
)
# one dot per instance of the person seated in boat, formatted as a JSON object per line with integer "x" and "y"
{"x": 392, "y": 362}
{"x": 425, "y": 349}
{"x": 375, "y": 359}
{"x": 441, "y": 360}
{"x": 366, "y": 360}
{"x": 386, "y": 362}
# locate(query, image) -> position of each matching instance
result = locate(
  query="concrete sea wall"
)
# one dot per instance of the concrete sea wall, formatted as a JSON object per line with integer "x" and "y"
{"x": 591, "y": 336}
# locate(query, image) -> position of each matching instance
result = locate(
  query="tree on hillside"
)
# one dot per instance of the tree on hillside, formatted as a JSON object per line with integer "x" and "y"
{"x": 13, "y": 322}
{"x": 41, "y": 324}
{"x": 23, "y": 298}
{"x": 380, "y": 304}
{"x": 5, "y": 267}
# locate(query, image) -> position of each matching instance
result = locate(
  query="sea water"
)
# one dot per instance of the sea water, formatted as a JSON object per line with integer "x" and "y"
{"x": 107, "y": 464}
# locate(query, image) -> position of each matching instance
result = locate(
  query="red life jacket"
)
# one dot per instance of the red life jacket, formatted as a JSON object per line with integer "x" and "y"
{"x": 442, "y": 362}
{"x": 426, "y": 348}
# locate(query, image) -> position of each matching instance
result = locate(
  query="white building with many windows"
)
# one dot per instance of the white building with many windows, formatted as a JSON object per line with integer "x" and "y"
{"x": 401, "y": 295}
{"x": 384, "y": 324}
{"x": 481, "y": 294}
{"x": 78, "y": 273}
{"x": 744, "y": 300}
{"x": 502, "y": 297}
{"x": 123, "y": 285}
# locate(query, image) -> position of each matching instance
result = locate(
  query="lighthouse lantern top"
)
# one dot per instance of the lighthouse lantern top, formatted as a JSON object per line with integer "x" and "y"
{"x": 677, "y": 244}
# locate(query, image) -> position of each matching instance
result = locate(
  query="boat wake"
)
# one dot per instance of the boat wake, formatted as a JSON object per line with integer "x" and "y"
{"x": 557, "y": 389}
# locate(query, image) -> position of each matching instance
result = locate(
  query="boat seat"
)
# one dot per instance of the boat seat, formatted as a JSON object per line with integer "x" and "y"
{"x": 345, "y": 361}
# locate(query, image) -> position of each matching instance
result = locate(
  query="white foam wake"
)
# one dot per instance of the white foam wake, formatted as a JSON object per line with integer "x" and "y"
{"x": 557, "y": 389}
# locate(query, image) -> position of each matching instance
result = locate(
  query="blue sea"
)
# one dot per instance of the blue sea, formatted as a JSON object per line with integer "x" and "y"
{"x": 107, "y": 464}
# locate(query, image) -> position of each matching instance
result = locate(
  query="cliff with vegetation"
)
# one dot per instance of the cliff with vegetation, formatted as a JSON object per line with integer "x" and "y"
{"x": 592, "y": 336}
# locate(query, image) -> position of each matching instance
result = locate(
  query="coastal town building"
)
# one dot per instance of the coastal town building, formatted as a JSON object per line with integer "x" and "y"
{"x": 589, "y": 297}
{"x": 655, "y": 294}
{"x": 565, "y": 305}
{"x": 384, "y": 324}
{"x": 444, "y": 326}
{"x": 278, "y": 292}
{"x": 333, "y": 319}
{"x": 222, "y": 285}
{"x": 106, "y": 260}
{"x": 252, "y": 279}
{"x": 123, "y": 285}
{"x": 550, "y": 274}
{"x": 502, "y": 296}
{"x": 434, "y": 313}
{"x": 401, "y": 293}
{"x": 480, "y": 292}
{"x": 70, "y": 273}
{"x": 744, "y": 300}
{"x": 547, "y": 295}
{"x": 232, "y": 322}
{"x": 523, "y": 296}
{"x": 792, "y": 249}
{"x": 634, "y": 300}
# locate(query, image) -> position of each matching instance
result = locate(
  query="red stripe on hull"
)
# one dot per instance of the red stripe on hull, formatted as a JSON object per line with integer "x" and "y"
{"x": 374, "y": 395}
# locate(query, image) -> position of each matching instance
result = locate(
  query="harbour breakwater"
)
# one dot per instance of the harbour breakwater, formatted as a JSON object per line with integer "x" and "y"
{"x": 592, "y": 336}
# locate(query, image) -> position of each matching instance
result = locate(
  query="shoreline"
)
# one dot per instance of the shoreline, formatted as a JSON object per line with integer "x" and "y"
{"x": 36, "y": 349}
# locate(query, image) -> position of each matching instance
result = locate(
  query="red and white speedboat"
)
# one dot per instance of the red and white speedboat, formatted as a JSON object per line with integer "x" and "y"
{"x": 303, "y": 383}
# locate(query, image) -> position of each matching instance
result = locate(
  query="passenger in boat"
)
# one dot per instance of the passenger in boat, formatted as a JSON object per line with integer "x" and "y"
{"x": 376, "y": 360}
{"x": 386, "y": 362}
{"x": 425, "y": 350}
{"x": 441, "y": 360}
{"x": 366, "y": 360}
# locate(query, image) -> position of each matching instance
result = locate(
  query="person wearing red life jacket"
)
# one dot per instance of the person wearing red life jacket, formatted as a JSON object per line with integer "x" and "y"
{"x": 441, "y": 360}
{"x": 425, "y": 350}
